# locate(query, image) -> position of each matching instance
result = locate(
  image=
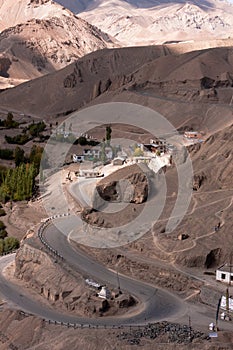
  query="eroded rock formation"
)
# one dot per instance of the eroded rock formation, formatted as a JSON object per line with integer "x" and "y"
{"x": 131, "y": 189}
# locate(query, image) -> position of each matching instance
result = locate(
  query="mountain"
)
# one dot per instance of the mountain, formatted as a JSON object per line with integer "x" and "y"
{"x": 157, "y": 76}
{"x": 79, "y": 83}
{"x": 139, "y": 22}
{"x": 192, "y": 90}
{"x": 45, "y": 37}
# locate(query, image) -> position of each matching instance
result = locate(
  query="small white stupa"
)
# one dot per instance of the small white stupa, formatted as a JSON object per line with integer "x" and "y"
{"x": 104, "y": 293}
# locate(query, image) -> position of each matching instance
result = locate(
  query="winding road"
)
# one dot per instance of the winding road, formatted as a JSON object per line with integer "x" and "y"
{"x": 156, "y": 304}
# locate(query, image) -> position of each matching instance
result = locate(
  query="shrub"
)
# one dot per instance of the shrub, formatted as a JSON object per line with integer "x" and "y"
{"x": 20, "y": 139}
{"x": 1, "y": 246}
{"x": 6, "y": 154}
{"x": 9, "y": 122}
{"x": 19, "y": 156}
{"x": 10, "y": 243}
{"x": 82, "y": 140}
{"x": 3, "y": 234}
{"x": 18, "y": 183}
{"x": 36, "y": 128}
{"x": 2, "y": 225}
{"x": 2, "y": 212}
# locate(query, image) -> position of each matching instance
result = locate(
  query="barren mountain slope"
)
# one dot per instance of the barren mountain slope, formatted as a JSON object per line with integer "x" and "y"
{"x": 212, "y": 204}
{"x": 40, "y": 45}
{"x": 31, "y": 333}
{"x": 79, "y": 83}
{"x": 151, "y": 75}
{"x": 138, "y": 22}
{"x": 13, "y": 12}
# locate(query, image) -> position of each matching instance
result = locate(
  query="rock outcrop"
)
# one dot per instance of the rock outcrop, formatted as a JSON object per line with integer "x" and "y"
{"x": 127, "y": 185}
{"x": 61, "y": 287}
{"x": 39, "y": 37}
{"x": 5, "y": 64}
{"x": 133, "y": 188}
{"x": 198, "y": 180}
{"x": 37, "y": 269}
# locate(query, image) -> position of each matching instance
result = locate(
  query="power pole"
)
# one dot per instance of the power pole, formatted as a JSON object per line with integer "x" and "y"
{"x": 227, "y": 290}
{"x": 118, "y": 283}
{"x": 189, "y": 327}
{"x": 227, "y": 305}
{"x": 231, "y": 100}
{"x": 230, "y": 268}
{"x": 217, "y": 312}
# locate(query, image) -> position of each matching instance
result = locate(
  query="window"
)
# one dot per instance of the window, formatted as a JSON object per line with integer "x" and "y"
{"x": 231, "y": 277}
{"x": 223, "y": 276}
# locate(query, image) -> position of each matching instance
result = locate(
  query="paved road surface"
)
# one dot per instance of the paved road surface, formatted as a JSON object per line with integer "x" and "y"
{"x": 159, "y": 305}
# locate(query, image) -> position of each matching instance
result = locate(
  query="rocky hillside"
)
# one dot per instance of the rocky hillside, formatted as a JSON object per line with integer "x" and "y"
{"x": 207, "y": 248}
{"x": 79, "y": 83}
{"x": 135, "y": 22}
{"x": 155, "y": 76}
{"x": 21, "y": 11}
{"x": 216, "y": 150}
{"x": 129, "y": 185}
{"x": 39, "y": 37}
{"x": 55, "y": 285}
{"x": 131, "y": 189}
{"x": 55, "y": 42}
{"x": 19, "y": 331}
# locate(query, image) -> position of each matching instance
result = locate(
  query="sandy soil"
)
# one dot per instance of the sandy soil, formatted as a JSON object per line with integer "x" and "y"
{"x": 23, "y": 218}
{"x": 40, "y": 336}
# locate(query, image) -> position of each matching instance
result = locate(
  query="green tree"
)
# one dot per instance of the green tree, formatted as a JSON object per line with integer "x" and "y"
{"x": 82, "y": 140}
{"x": 103, "y": 157}
{"x": 3, "y": 234}
{"x": 35, "y": 156}
{"x": 20, "y": 139}
{"x": 9, "y": 119}
{"x": 6, "y": 154}
{"x": 2, "y": 225}
{"x": 1, "y": 246}
{"x": 18, "y": 183}
{"x": 10, "y": 243}
{"x": 38, "y": 157}
{"x": 36, "y": 128}
{"x": 10, "y": 122}
{"x": 19, "y": 156}
{"x": 108, "y": 134}
{"x": 2, "y": 212}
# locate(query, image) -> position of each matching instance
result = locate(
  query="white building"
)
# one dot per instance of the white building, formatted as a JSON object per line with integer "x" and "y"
{"x": 225, "y": 274}
{"x": 104, "y": 293}
{"x": 223, "y": 304}
{"x": 96, "y": 152}
{"x": 90, "y": 173}
{"x": 192, "y": 135}
{"x": 78, "y": 158}
{"x": 91, "y": 152}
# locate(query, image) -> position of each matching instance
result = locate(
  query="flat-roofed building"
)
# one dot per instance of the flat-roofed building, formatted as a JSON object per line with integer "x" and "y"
{"x": 192, "y": 135}
{"x": 225, "y": 274}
